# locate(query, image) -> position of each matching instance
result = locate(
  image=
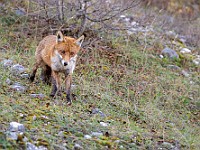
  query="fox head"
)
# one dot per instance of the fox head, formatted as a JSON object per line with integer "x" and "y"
{"x": 66, "y": 49}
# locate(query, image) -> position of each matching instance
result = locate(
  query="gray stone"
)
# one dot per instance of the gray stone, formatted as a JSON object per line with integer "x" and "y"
{"x": 134, "y": 23}
{"x": 40, "y": 96}
{"x": 20, "y": 12}
{"x": 117, "y": 141}
{"x": 169, "y": 53}
{"x": 87, "y": 137}
{"x": 182, "y": 38}
{"x": 97, "y": 134}
{"x": 185, "y": 50}
{"x": 17, "y": 69}
{"x": 97, "y": 111}
{"x": 24, "y": 76}
{"x": 174, "y": 67}
{"x": 73, "y": 87}
{"x": 61, "y": 134}
{"x": 196, "y": 61}
{"x": 77, "y": 147}
{"x": 171, "y": 33}
{"x": 15, "y": 129}
{"x": 167, "y": 145}
{"x": 8, "y": 81}
{"x": 18, "y": 87}
{"x": 13, "y": 135}
{"x": 104, "y": 124}
{"x": 30, "y": 146}
{"x": 15, "y": 126}
{"x": 185, "y": 73}
{"x": 7, "y": 63}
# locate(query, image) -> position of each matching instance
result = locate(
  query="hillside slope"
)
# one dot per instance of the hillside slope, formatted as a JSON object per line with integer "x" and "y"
{"x": 126, "y": 96}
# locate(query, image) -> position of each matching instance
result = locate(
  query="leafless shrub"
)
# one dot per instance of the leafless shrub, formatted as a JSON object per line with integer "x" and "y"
{"x": 78, "y": 15}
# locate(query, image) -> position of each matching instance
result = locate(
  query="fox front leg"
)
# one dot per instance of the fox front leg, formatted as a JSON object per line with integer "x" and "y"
{"x": 68, "y": 81}
{"x": 55, "y": 84}
{"x": 46, "y": 74}
{"x": 36, "y": 66}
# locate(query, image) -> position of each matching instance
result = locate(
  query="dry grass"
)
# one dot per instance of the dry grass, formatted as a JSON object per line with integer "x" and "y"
{"x": 145, "y": 103}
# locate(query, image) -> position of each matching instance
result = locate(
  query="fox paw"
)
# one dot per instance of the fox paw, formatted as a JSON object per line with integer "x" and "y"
{"x": 52, "y": 94}
{"x": 31, "y": 78}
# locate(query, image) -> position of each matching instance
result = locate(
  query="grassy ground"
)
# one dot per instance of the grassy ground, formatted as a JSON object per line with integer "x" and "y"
{"x": 145, "y": 104}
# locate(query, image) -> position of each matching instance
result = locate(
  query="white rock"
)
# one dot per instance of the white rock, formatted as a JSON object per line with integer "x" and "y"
{"x": 87, "y": 137}
{"x": 8, "y": 81}
{"x": 134, "y": 23}
{"x": 169, "y": 53}
{"x": 127, "y": 19}
{"x": 61, "y": 134}
{"x": 191, "y": 82}
{"x": 7, "y": 63}
{"x": 17, "y": 87}
{"x": 40, "y": 96}
{"x": 161, "y": 56}
{"x": 185, "y": 50}
{"x": 171, "y": 33}
{"x": 34, "y": 117}
{"x": 21, "y": 115}
{"x": 117, "y": 141}
{"x": 77, "y": 147}
{"x": 121, "y": 146}
{"x": 184, "y": 73}
{"x": 196, "y": 61}
{"x": 97, "y": 134}
{"x": 44, "y": 117}
{"x": 73, "y": 87}
{"x": 103, "y": 124}
{"x": 30, "y": 146}
{"x": 24, "y": 76}
{"x": 17, "y": 69}
{"x": 122, "y": 16}
{"x": 12, "y": 135}
{"x": 15, "y": 126}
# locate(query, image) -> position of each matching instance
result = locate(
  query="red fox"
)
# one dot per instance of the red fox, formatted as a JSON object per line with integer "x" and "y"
{"x": 57, "y": 54}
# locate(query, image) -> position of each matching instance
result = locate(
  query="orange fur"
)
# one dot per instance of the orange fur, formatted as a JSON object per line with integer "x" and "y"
{"x": 57, "y": 53}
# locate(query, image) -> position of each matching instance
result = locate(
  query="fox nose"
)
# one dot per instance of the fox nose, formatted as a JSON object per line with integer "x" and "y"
{"x": 65, "y": 63}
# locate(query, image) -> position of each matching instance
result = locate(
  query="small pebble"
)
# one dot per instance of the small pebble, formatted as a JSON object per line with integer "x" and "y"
{"x": 87, "y": 137}
{"x": 103, "y": 124}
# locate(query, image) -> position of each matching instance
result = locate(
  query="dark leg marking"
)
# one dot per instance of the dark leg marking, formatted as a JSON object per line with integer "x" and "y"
{"x": 54, "y": 88}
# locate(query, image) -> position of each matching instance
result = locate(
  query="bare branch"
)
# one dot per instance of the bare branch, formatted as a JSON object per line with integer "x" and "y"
{"x": 105, "y": 18}
{"x": 60, "y": 10}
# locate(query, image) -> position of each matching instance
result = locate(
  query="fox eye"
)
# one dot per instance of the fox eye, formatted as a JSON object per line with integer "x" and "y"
{"x": 62, "y": 52}
{"x": 71, "y": 53}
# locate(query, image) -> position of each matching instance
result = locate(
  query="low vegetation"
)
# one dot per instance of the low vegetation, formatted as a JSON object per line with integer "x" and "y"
{"x": 122, "y": 89}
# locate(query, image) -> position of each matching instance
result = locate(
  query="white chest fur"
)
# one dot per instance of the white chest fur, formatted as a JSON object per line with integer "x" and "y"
{"x": 72, "y": 64}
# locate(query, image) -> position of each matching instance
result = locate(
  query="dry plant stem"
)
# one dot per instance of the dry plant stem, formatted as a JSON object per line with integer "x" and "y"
{"x": 45, "y": 9}
{"x": 83, "y": 17}
{"x": 60, "y": 12}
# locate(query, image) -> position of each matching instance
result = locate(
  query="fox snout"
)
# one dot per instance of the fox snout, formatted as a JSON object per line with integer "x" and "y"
{"x": 65, "y": 64}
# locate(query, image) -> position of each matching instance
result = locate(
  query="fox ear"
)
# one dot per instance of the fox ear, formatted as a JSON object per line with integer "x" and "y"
{"x": 59, "y": 37}
{"x": 79, "y": 41}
